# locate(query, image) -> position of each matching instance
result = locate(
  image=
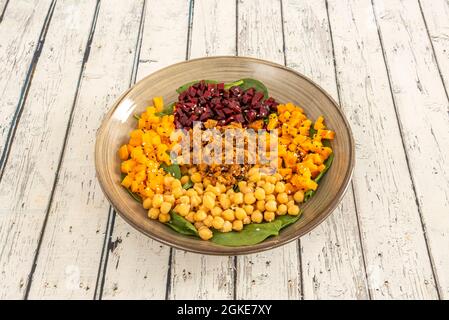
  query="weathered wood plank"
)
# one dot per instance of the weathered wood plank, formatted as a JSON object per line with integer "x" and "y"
{"x": 397, "y": 262}
{"x": 26, "y": 185}
{"x": 198, "y": 276}
{"x": 68, "y": 260}
{"x": 331, "y": 255}
{"x": 422, "y": 107}
{"x": 138, "y": 266}
{"x": 273, "y": 274}
{"x": 436, "y": 15}
{"x": 20, "y": 33}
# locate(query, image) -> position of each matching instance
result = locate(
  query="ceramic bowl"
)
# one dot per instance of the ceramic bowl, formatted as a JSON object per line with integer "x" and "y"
{"x": 283, "y": 84}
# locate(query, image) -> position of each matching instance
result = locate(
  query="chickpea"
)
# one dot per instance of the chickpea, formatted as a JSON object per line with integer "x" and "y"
{"x": 282, "y": 210}
{"x": 196, "y": 177}
{"x": 175, "y": 184}
{"x": 225, "y": 202}
{"x": 185, "y": 179}
{"x": 278, "y": 176}
{"x": 164, "y": 217}
{"x": 293, "y": 210}
{"x": 189, "y": 217}
{"x": 299, "y": 196}
{"x": 230, "y": 192}
{"x": 209, "y": 202}
{"x": 271, "y": 206}
{"x": 206, "y": 182}
{"x": 221, "y": 187}
{"x": 205, "y": 233}
{"x": 184, "y": 199}
{"x": 214, "y": 190}
{"x": 269, "y": 197}
{"x": 282, "y": 197}
{"x": 257, "y": 216}
{"x": 268, "y": 188}
{"x": 192, "y": 170}
{"x": 228, "y": 215}
{"x": 191, "y": 192}
{"x": 280, "y": 187}
{"x": 157, "y": 200}
{"x": 147, "y": 203}
{"x": 247, "y": 220}
{"x": 270, "y": 179}
{"x": 246, "y": 189}
{"x": 198, "y": 225}
{"x": 168, "y": 180}
{"x": 204, "y": 208}
{"x": 165, "y": 207}
{"x": 182, "y": 209}
{"x": 216, "y": 211}
{"x": 195, "y": 201}
{"x": 255, "y": 177}
{"x": 237, "y": 198}
{"x": 198, "y": 187}
{"x": 248, "y": 208}
{"x": 210, "y": 194}
{"x": 241, "y": 185}
{"x": 260, "y": 205}
{"x": 200, "y": 215}
{"x": 227, "y": 226}
{"x": 208, "y": 221}
{"x": 153, "y": 213}
{"x": 268, "y": 216}
{"x": 240, "y": 213}
{"x": 253, "y": 170}
{"x": 260, "y": 183}
{"x": 249, "y": 198}
{"x": 169, "y": 198}
{"x": 290, "y": 203}
{"x": 259, "y": 193}
{"x": 237, "y": 225}
{"x": 218, "y": 222}
{"x": 178, "y": 192}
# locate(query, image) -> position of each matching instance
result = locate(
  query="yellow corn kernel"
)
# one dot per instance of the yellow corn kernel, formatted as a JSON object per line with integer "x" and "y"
{"x": 237, "y": 225}
{"x": 271, "y": 205}
{"x": 200, "y": 215}
{"x": 228, "y": 215}
{"x": 164, "y": 217}
{"x": 153, "y": 213}
{"x": 240, "y": 213}
{"x": 147, "y": 203}
{"x": 227, "y": 226}
{"x": 293, "y": 210}
{"x": 257, "y": 216}
{"x": 269, "y": 216}
{"x": 282, "y": 210}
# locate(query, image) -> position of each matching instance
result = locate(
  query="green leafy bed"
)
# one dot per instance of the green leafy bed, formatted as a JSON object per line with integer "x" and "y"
{"x": 251, "y": 233}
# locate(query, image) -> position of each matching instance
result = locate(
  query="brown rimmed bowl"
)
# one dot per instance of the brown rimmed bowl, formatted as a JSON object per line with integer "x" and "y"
{"x": 284, "y": 84}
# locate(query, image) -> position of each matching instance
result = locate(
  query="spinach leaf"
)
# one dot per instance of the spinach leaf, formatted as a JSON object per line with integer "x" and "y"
{"x": 173, "y": 169}
{"x": 188, "y": 185}
{"x": 132, "y": 194}
{"x": 236, "y": 188}
{"x": 256, "y": 84}
{"x": 188, "y": 84}
{"x": 253, "y": 233}
{"x": 181, "y": 225}
{"x": 229, "y": 85}
{"x": 168, "y": 110}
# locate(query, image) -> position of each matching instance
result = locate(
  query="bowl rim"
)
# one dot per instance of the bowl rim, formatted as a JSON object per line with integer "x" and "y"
{"x": 241, "y": 250}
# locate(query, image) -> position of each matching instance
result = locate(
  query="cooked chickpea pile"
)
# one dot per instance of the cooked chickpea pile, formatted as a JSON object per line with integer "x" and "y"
{"x": 208, "y": 206}
{"x": 260, "y": 197}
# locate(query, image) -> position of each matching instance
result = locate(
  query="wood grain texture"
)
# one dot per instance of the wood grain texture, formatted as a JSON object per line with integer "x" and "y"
{"x": 273, "y": 274}
{"x": 422, "y": 107}
{"x": 436, "y": 15}
{"x": 331, "y": 255}
{"x": 199, "y": 276}
{"x": 138, "y": 266}
{"x": 68, "y": 261}
{"x": 26, "y": 186}
{"x": 20, "y": 32}
{"x": 398, "y": 265}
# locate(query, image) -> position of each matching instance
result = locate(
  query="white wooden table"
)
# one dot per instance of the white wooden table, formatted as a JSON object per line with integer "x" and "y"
{"x": 62, "y": 64}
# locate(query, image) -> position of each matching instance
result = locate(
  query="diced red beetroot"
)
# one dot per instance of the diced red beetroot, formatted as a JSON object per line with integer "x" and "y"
{"x": 203, "y": 101}
{"x": 256, "y": 98}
